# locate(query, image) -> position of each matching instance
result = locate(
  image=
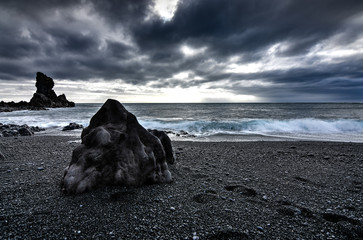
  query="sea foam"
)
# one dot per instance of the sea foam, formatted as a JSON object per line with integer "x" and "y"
{"x": 259, "y": 126}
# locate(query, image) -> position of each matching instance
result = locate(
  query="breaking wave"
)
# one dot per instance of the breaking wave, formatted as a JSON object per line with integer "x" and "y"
{"x": 333, "y": 122}
{"x": 260, "y": 126}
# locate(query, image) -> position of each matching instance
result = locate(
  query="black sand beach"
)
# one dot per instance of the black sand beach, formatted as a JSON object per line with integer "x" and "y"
{"x": 237, "y": 190}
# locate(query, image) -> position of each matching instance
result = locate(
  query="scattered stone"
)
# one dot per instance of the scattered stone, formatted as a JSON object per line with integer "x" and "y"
{"x": 40, "y": 168}
{"x": 13, "y": 130}
{"x": 116, "y": 150}
{"x": 25, "y": 131}
{"x": 36, "y": 129}
{"x": 195, "y": 237}
{"x": 182, "y": 132}
{"x": 260, "y": 228}
{"x": 72, "y": 126}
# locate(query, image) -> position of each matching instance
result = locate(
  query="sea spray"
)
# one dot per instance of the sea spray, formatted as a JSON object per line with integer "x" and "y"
{"x": 259, "y": 126}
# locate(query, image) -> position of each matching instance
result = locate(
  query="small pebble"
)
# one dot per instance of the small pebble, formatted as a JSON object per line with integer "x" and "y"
{"x": 40, "y": 168}
{"x": 195, "y": 237}
{"x": 172, "y": 208}
{"x": 260, "y": 228}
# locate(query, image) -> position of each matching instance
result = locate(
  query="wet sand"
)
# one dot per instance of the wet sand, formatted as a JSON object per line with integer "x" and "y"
{"x": 236, "y": 190}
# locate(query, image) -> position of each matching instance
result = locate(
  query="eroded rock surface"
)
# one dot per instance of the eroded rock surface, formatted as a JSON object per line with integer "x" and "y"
{"x": 117, "y": 150}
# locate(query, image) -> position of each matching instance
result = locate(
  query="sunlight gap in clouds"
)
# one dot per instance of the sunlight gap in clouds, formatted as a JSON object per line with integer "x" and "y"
{"x": 189, "y": 51}
{"x": 182, "y": 75}
{"x": 165, "y": 9}
{"x": 99, "y": 91}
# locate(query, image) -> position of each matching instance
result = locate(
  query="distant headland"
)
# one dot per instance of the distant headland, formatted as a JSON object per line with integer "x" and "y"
{"x": 43, "y": 98}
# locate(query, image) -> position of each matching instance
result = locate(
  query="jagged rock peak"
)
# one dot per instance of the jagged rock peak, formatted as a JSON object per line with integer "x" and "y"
{"x": 45, "y": 95}
{"x": 44, "y": 83}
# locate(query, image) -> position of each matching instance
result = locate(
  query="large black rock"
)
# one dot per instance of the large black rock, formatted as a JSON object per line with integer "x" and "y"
{"x": 45, "y": 95}
{"x": 117, "y": 150}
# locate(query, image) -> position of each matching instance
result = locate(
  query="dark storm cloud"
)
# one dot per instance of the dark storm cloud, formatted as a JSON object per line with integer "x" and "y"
{"x": 240, "y": 26}
{"x": 123, "y": 40}
{"x": 344, "y": 82}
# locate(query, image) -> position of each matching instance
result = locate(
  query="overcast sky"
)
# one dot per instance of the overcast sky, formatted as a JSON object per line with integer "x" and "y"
{"x": 184, "y": 51}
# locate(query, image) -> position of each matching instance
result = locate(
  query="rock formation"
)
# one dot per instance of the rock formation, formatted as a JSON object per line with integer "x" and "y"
{"x": 72, "y": 126}
{"x": 45, "y": 95}
{"x": 43, "y": 98}
{"x": 117, "y": 150}
{"x": 12, "y": 130}
{"x": 13, "y": 106}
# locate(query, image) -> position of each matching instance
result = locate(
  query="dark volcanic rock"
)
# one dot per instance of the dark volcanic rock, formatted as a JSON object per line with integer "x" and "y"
{"x": 13, "y": 130}
{"x": 166, "y": 142}
{"x": 13, "y": 106}
{"x": 115, "y": 150}
{"x": 25, "y": 131}
{"x": 43, "y": 98}
{"x": 45, "y": 85}
{"x": 72, "y": 126}
{"x": 45, "y": 95}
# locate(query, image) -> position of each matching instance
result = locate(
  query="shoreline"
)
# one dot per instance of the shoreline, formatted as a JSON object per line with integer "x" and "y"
{"x": 186, "y": 137}
{"x": 245, "y": 190}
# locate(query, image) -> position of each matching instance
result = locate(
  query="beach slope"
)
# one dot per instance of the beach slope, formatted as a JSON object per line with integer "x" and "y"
{"x": 237, "y": 190}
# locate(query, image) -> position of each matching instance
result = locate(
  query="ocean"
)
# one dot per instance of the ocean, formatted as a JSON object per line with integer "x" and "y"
{"x": 341, "y": 122}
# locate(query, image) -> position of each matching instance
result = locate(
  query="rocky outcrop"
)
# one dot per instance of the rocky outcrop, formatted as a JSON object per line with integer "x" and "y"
{"x": 43, "y": 98}
{"x": 72, "y": 126}
{"x": 117, "y": 150}
{"x": 12, "y": 130}
{"x": 45, "y": 95}
{"x": 13, "y": 106}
